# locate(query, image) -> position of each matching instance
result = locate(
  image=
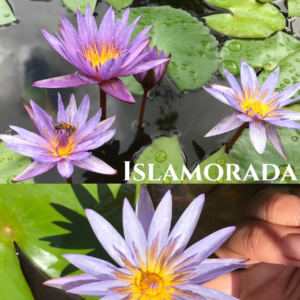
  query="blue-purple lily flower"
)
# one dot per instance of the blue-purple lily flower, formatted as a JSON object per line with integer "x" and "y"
{"x": 100, "y": 55}
{"x": 260, "y": 106}
{"x": 149, "y": 79}
{"x": 153, "y": 263}
{"x": 63, "y": 143}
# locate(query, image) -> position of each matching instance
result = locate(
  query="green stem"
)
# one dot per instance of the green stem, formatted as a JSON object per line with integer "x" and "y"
{"x": 236, "y": 136}
{"x": 103, "y": 104}
{"x": 69, "y": 180}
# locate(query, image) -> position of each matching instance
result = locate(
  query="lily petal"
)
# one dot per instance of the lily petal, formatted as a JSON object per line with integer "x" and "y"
{"x": 65, "y": 168}
{"x": 274, "y": 138}
{"x": 258, "y": 135}
{"x": 60, "y": 82}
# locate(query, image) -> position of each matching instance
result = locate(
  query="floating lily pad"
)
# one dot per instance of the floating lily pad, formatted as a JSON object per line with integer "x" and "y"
{"x": 249, "y": 18}
{"x": 161, "y": 153}
{"x": 72, "y": 5}
{"x": 244, "y": 154}
{"x": 265, "y": 53}
{"x": 47, "y": 221}
{"x": 119, "y": 4}
{"x": 175, "y": 31}
{"x": 294, "y": 8}
{"x": 6, "y": 14}
{"x": 220, "y": 158}
{"x": 12, "y": 164}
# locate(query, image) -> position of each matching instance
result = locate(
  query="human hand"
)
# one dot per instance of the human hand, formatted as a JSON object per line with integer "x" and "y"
{"x": 269, "y": 236}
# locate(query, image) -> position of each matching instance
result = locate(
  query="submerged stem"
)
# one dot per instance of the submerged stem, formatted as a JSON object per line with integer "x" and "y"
{"x": 236, "y": 136}
{"x": 103, "y": 104}
{"x": 69, "y": 180}
{"x": 140, "y": 124}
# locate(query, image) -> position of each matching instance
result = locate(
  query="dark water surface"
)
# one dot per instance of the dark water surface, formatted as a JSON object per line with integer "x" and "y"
{"x": 26, "y": 56}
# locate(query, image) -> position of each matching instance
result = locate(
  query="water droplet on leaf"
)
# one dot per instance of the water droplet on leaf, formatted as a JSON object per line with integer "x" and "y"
{"x": 160, "y": 156}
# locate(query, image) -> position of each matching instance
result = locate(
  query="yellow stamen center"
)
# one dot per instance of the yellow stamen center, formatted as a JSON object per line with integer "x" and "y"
{"x": 256, "y": 107}
{"x": 96, "y": 58}
{"x": 157, "y": 278}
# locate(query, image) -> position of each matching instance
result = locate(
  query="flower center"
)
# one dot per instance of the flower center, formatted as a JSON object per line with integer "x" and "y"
{"x": 151, "y": 284}
{"x": 255, "y": 107}
{"x": 95, "y": 58}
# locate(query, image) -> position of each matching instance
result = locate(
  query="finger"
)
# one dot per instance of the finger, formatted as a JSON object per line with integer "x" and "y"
{"x": 274, "y": 206}
{"x": 260, "y": 241}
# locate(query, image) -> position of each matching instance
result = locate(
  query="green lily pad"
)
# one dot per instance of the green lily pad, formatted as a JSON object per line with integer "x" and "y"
{"x": 265, "y": 53}
{"x": 119, "y": 4}
{"x": 294, "y": 8}
{"x": 12, "y": 283}
{"x": 175, "y": 31}
{"x": 244, "y": 154}
{"x": 249, "y": 18}
{"x": 161, "y": 153}
{"x": 12, "y": 164}
{"x": 220, "y": 158}
{"x": 6, "y": 14}
{"x": 47, "y": 221}
{"x": 81, "y": 4}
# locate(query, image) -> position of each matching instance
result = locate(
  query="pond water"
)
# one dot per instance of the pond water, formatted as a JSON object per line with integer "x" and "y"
{"x": 26, "y": 56}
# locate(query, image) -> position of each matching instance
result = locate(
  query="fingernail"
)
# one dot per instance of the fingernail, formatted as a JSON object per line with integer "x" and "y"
{"x": 290, "y": 246}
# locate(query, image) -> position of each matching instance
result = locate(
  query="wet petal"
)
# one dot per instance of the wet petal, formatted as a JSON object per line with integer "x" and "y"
{"x": 116, "y": 88}
{"x": 33, "y": 170}
{"x": 65, "y": 168}
{"x": 186, "y": 224}
{"x": 96, "y": 165}
{"x": 144, "y": 208}
{"x": 230, "y": 122}
{"x": 133, "y": 231}
{"x": 161, "y": 222}
{"x": 70, "y": 282}
{"x": 109, "y": 238}
{"x": 60, "y": 82}
{"x": 93, "y": 266}
{"x": 274, "y": 138}
{"x": 258, "y": 135}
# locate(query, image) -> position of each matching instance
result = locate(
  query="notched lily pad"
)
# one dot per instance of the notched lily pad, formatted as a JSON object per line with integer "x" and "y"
{"x": 72, "y": 5}
{"x": 175, "y": 31}
{"x": 294, "y": 8}
{"x": 12, "y": 164}
{"x": 244, "y": 154}
{"x": 249, "y": 18}
{"x": 221, "y": 161}
{"x": 119, "y": 4}
{"x": 161, "y": 153}
{"x": 6, "y": 14}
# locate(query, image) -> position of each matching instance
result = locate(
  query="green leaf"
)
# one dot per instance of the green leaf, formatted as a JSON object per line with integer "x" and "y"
{"x": 266, "y": 53}
{"x": 12, "y": 283}
{"x": 244, "y": 154}
{"x": 220, "y": 158}
{"x": 175, "y": 31}
{"x": 81, "y": 4}
{"x": 47, "y": 221}
{"x": 6, "y": 14}
{"x": 249, "y": 18}
{"x": 161, "y": 153}
{"x": 294, "y": 8}
{"x": 12, "y": 164}
{"x": 119, "y": 4}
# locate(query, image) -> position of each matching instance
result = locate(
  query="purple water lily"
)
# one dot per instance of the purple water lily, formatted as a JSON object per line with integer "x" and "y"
{"x": 152, "y": 262}
{"x": 63, "y": 144}
{"x": 100, "y": 55}
{"x": 149, "y": 79}
{"x": 260, "y": 106}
